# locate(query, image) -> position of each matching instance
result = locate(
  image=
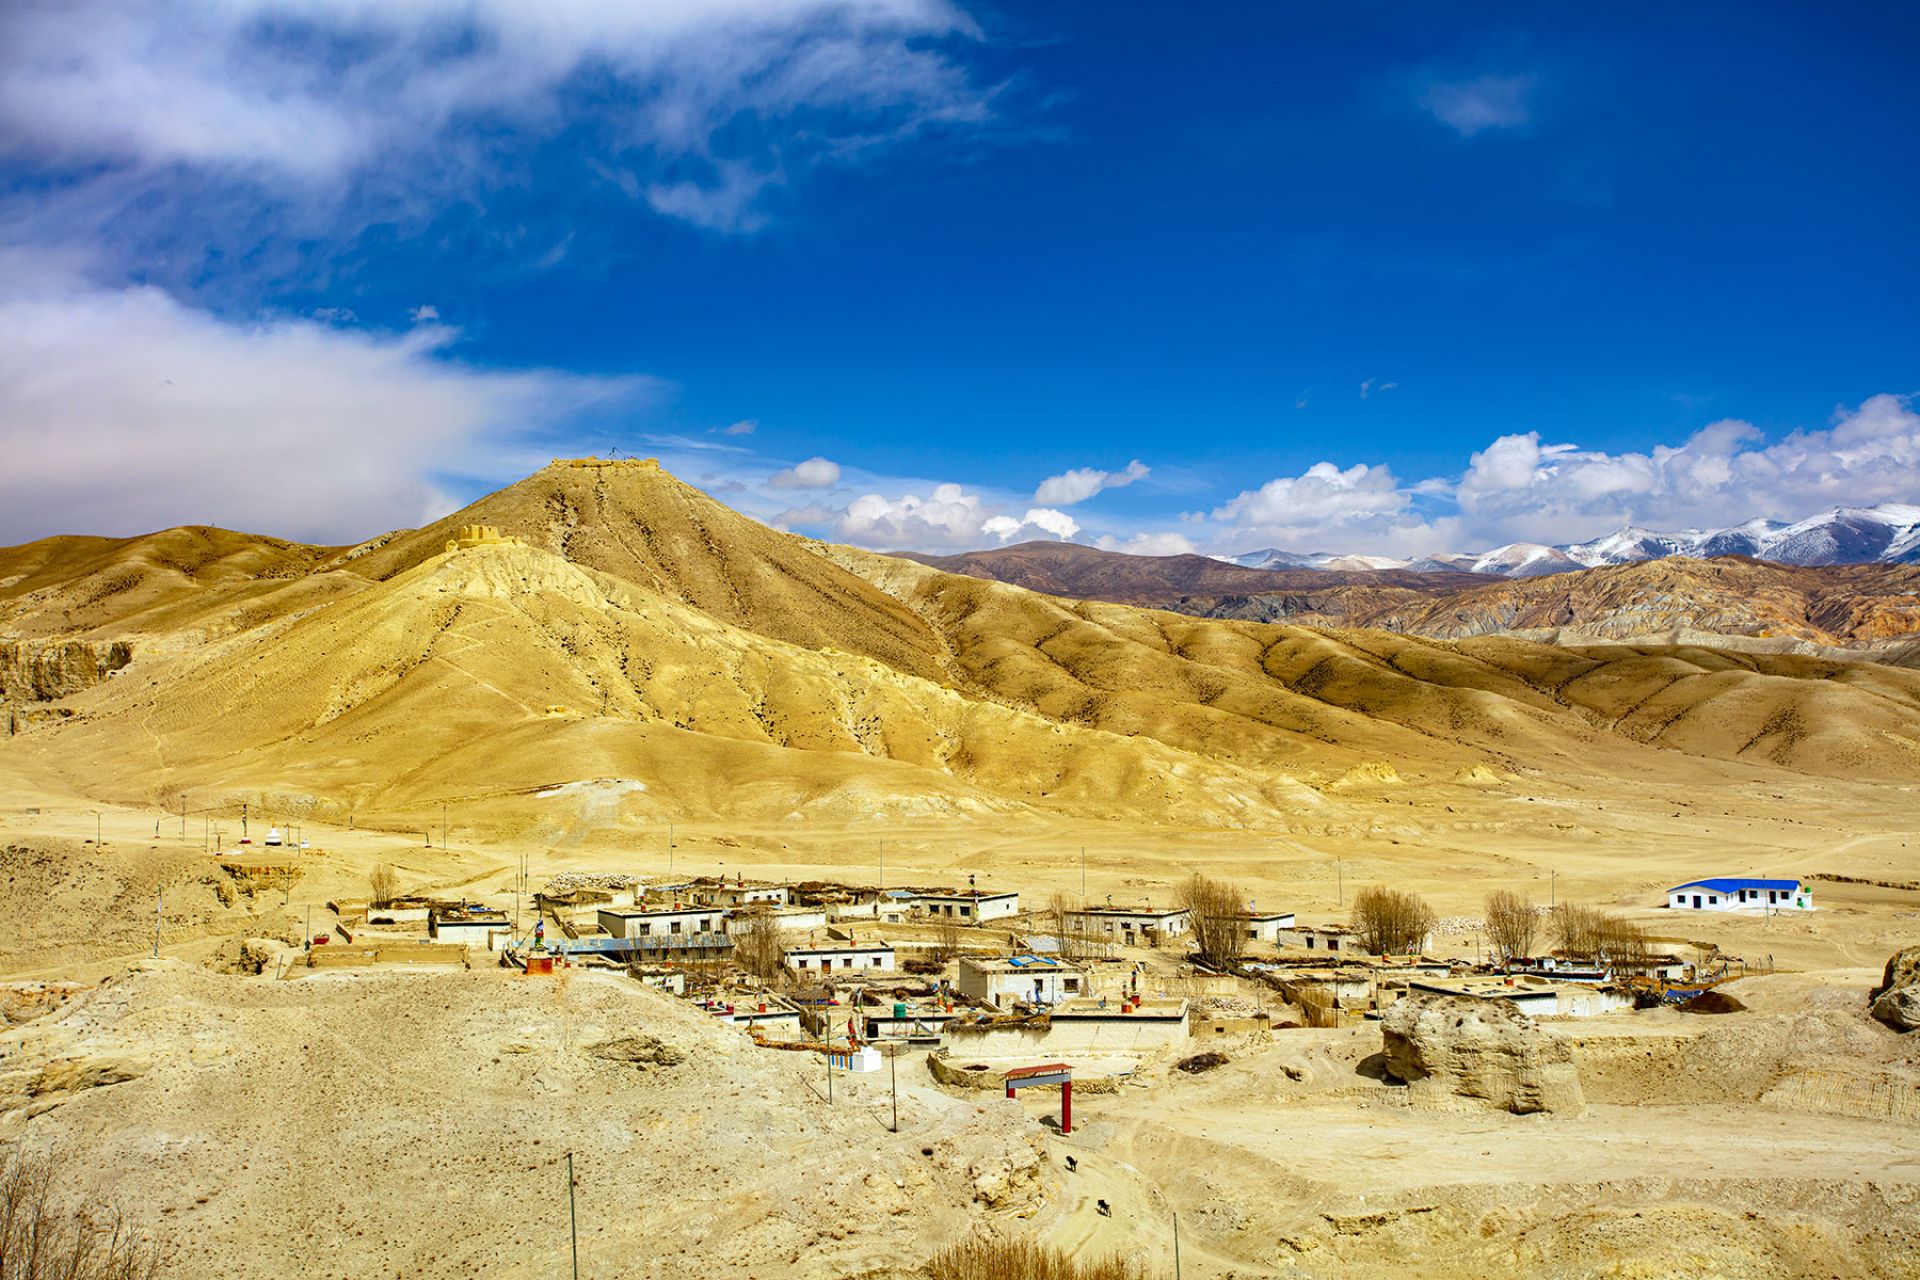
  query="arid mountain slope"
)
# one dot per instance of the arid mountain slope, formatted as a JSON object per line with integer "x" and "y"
{"x": 1088, "y": 573}
{"x": 632, "y": 520}
{"x": 708, "y": 665}
{"x": 194, "y": 578}
{"x": 1840, "y": 606}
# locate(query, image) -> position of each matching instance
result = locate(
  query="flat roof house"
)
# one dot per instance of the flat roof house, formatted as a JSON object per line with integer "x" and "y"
{"x": 1740, "y": 893}
{"x": 970, "y": 908}
{"x": 1266, "y": 926}
{"x": 1023, "y": 979}
{"x": 846, "y": 957}
{"x": 662, "y": 922}
{"x": 467, "y": 926}
{"x": 1129, "y": 925}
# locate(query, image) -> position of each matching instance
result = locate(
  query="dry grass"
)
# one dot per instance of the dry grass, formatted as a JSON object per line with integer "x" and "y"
{"x": 1025, "y": 1260}
{"x": 42, "y": 1239}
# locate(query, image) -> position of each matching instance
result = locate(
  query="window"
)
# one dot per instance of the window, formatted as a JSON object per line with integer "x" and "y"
{"x": 1713, "y": 899}
{"x": 966, "y": 911}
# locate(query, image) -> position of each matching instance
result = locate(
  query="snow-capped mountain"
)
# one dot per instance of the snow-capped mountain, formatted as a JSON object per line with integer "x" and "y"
{"x": 1274, "y": 558}
{"x": 1886, "y": 534}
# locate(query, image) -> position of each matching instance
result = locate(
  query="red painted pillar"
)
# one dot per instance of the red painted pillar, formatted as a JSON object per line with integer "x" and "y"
{"x": 1066, "y": 1106}
{"x": 1009, "y": 1088}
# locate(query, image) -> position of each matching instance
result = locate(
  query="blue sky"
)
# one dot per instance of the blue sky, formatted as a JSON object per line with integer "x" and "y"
{"x": 1338, "y": 276}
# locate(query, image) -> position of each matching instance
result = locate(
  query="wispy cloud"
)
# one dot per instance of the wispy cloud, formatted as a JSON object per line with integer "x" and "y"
{"x": 229, "y": 117}
{"x": 1082, "y": 483}
{"x": 131, "y": 411}
{"x": 1471, "y": 106}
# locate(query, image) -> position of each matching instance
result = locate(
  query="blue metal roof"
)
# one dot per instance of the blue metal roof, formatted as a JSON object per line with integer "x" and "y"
{"x": 1733, "y": 884}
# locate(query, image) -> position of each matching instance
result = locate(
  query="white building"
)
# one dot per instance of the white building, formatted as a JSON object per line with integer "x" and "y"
{"x": 843, "y": 957}
{"x": 1044, "y": 980}
{"x": 1740, "y": 893}
{"x": 1130, "y": 926}
{"x": 744, "y": 895}
{"x": 662, "y": 922}
{"x": 1266, "y": 926}
{"x": 470, "y": 926}
{"x": 969, "y": 908}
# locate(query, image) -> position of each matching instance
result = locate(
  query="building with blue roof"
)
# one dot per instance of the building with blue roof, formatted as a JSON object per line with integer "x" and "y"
{"x": 1740, "y": 893}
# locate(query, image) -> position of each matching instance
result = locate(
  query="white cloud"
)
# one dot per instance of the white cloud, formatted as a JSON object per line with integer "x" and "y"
{"x": 711, "y": 99}
{"x": 1523, "y": 488}
{"x": 1720, "y": 475}
{"x": 1148, "y": 544}
{"x": 424, "y": 313}
{"x": 126, "y": 411}
{"x": 814, "y": 473}
{"x": 950, "y": 519}
{"x": 1083, "y": 482}
{"x": 744, "y": 427}
{"x": 1369, "y": 387}
{"x": 1489, "y": 102}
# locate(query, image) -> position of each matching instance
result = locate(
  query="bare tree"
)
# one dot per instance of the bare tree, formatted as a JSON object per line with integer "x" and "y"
{"x": 1577, "y": 930}
{"x": 1216, "y": 918}
{"x": 40, "y": 1239}
{"x": 1600, "y": 937}
{"x": 946, "y": 939}
{"x": 1390, "y": 921}
{"x": 759, "y": 944}
{"x": 384, "y": 883}
{"x": 1511, "y": 924}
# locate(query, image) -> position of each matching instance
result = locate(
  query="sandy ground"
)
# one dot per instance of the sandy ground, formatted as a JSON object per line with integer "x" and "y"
{"x": 394, "y": 1143}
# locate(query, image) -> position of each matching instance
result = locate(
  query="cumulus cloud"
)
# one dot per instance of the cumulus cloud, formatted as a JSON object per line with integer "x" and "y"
{"x": 1470, "y": 106}
{"x": 1722, "y": 474}
{"x": 1082, "y": 483}
{"x": 127, "y": 411}
{"x": 1523, "y": 487}
{"x": 951, "y": 518}
{"x": 697, "y": 106}
{"x": 814, "y": 473}
{"x": 1362, "y": 508}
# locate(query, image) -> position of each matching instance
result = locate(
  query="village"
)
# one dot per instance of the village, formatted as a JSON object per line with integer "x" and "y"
{"x": 985, "y": 990}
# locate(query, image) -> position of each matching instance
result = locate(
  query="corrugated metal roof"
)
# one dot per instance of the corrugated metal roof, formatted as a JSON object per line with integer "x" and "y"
{"x": 1733, "y": 884}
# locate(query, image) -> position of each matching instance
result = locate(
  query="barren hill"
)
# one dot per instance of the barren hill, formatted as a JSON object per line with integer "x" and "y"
{"x": 1088, "y": 573}
{"x": 648, "y": 634}
{"x": 1839, "y": 605}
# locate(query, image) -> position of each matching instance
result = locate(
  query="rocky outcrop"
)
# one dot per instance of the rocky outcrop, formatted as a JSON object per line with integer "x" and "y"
{"x": 43, "y": 671}
{"x": 1896, "y": 1001}
{"x": 1447, "y": 1048}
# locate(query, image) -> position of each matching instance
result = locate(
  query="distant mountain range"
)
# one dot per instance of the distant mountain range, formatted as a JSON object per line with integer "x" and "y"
{"x": 1674, "y": 599}
{"x": 1886, "y": 534}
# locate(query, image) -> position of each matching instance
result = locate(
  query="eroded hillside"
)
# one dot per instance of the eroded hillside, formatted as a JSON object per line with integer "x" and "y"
{"x": 645, "y": 631}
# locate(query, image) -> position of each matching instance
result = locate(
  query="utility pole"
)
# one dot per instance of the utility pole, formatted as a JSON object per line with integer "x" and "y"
{"x": 443, "y": 824}
{"x": 1176, "y": 1247}
{"x": 96, "y": 828}
{"x": 159, "y": 914}
{"x": 1553, "y": 889}
{"x": 243, "y": 819}
{"x": 669, "y": 848}
{"x": 828, "y": 1059}
{"x": 573, "y": 1222}
{"x": 893, "y": 1083}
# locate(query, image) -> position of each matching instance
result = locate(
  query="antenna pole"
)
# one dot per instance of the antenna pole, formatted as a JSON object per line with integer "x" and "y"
{"x": 573, "y": 1222}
